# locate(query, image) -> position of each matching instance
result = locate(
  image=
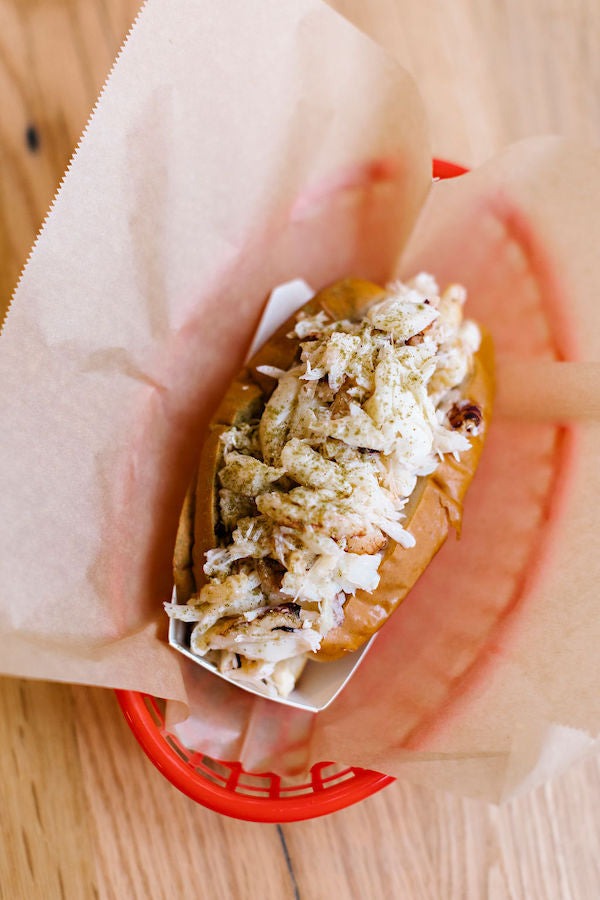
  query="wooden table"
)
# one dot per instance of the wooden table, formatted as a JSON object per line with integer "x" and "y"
{"x": 82, "y": 812}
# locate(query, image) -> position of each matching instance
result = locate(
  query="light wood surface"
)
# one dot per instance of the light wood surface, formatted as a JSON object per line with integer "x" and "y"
{"x": 83, "y": 814}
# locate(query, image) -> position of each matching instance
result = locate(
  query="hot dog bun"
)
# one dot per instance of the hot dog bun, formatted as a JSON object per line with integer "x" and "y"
{"x": 434, "y": 506}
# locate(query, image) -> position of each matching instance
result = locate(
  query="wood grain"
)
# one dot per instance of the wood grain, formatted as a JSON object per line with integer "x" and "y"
{"x": 84, "y": 814}
{"x": 150, "y": 840}
{"x": 47, "y": 837}
{"x": 416, "y": 843}
{"x": 54, "y": 57}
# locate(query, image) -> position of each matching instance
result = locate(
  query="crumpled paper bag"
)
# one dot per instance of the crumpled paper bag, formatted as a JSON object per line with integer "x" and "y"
{"x": 214, "y": 168}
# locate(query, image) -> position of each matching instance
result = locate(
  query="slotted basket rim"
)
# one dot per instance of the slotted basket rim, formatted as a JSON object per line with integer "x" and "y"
{"x": 224, "y": 799}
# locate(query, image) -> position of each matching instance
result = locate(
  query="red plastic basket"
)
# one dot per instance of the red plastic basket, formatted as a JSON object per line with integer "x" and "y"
{"x": 224, "y": 786}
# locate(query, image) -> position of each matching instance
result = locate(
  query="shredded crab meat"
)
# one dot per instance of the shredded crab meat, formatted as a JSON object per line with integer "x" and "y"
{"x": 273, "y": 635}
{"x": 311, "y": 493}
{"x": 247, "y": 475}
{"x": 275, "y": 421}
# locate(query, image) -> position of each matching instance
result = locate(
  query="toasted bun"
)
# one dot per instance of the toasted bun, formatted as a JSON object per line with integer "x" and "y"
{"x": 434, "y": 506}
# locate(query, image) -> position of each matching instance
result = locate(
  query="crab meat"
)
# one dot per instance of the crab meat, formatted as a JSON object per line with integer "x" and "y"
{"x": 247, "y": 475}
{"x": 312, "y": 494}
{"x": 309, "y": 468}
{"x": 273, "y": 635}
{"x": 275, "y": 420}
